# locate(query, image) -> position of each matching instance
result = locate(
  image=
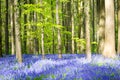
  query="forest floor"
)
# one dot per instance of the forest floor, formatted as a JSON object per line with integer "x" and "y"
{"x": 70, "y": 67}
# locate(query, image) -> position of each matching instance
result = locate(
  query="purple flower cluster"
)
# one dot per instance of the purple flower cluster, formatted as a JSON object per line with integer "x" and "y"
{"x": 70, "y": 67}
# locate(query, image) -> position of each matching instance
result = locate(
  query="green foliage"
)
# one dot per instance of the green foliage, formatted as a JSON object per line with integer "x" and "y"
{"x": 100, "y": 64}
{"x": 41, "y": 77}
{"x": 53, "y": 76}
{"x": 64, "y": 1}
{"x": 78, "y": 79}
{"x": 80, "y": 42}
{"x": 94, "y": 46}
{"x": 112, "y": 74}
{"x": 28, "y": 78}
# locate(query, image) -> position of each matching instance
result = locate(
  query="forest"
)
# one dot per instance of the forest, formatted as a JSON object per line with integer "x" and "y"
{"x": 59, "y": 39}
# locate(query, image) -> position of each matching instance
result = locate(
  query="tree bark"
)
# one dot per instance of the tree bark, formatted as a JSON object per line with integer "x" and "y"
{"x": 17, "y": 33}
{"x": 0, "y": 30}
{"x": 42, "y": 36}
{"x": 6, "y": 31}
{"x": 12, "y": 23}
{"x": 109, "y": 48}
{"x": 59, "y": 30}
{"x": 101, "y": 29}
{"x": 72, "y": 24}
{"x": 118, "y": 51}
{"x": 53, "y": 30}
{"x": 25, "y": 31}
{"x": 68, "y": 24}
{"x": 87, "y": 26}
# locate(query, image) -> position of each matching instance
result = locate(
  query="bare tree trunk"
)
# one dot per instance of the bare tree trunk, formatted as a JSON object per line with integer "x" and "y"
{"x": 53, "y": 41}
{"x": 12, "y": 27}
{"x": 80, "y": 25}
{"x": 59, "y": 31}
{"x": 42, "y": 36}
{"x": 109, "y": 48}
{"x": 118, "y": 51}
{"x": 17, "y": 33}
{"x": 87, "y": 25}
{"x": 25, "y": 31}
{"x": 0, "y": 31}
{"x": 68, "y": 24}
{"x": 6, "y": 31}
{"x": 36, "y": 48}
{"x": 72, "y": 24}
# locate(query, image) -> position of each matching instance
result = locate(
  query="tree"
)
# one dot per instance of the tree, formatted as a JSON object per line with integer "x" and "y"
{"x": 53, "y": 29}
{"x": 72, "y": 24}
{"x": 118, "y": 51}
{"x": 101, "y": 29}
{"x": 59, "y": 30}
{"x": 25, "y": 31}
{"x": 87, "y": 26}
{"x": 6, "y": 30}
{"x": 68, "y": 26}
{"x": 0, "y": 31}
{"x": 36, "y": 43}
{"x": 17, "y": 33}
{"x": 12, "y": 23}
{"x": 81, "y": 25}
{"x": 42, "y": 35}
{"x": 109, "y": 48}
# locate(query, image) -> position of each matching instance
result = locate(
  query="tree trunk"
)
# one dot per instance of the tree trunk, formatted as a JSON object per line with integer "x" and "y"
{"x": 53, "y": 35}
{"x": 12, "y": 27}
{"x": 36, "y": 48}
{"x": 72, "y": 24}
{"x": 0, "y": 31}
{"x": 101, "y": 29}
{"x": 42, "y": 36}
{"x": 109, "y": 48}
{"x": 17, "y": 33}
{"x": 6, "y": 31}
{"x": 68, "y": 24}
{"x": 81, "y": 25}
{"x": 25, "y": 31}
{"x": 118, "y": 51}
{"x": 59, "y": 31}
{"x": 87, "y": 26}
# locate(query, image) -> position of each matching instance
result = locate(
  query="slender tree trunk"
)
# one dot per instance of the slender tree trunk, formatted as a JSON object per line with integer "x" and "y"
{"x": 98, "y": 21}
{"x": 93, "y": 27}
{"x": 0, "y": 31}
{"x": 63, "y": 24}
{"x": 42, "y": 36}
{"x": 118, "y": 51}
{"x": 95, "y": 19}
{"x": 59, "y": 31}
{"x": 80, "y": 25}
{"x": 53, "y": 41}
{"x": 87, "y": 25}
{"x": 109, "y": 48}
{"x": 25, "y": 32}
{"x": 12, "y": 27}
{"x": 6, "y": 31}
{"x": 68, "y": 22}
{"x": 30, "y": 40}
{"x": 17, "y": 33}
{"x": 72, "y": 24}
{"x": 36, "y": 48}
{"x": 42, "y": 42}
